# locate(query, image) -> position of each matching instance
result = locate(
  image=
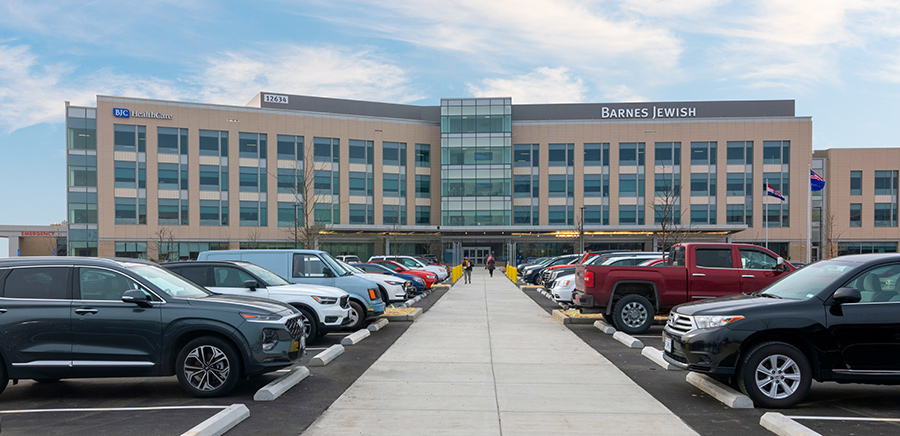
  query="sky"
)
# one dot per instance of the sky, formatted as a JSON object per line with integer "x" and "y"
{"x": 838, "y": 59}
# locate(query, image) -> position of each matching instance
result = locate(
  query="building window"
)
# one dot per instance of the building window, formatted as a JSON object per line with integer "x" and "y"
{"x": 668, "y": 153}
{"x": 596, "y": 154}
{"x": 423, "y": 155}
{"x": 360, "y": 151}
{"x": 739, "y": 152}
{"x": 423, "y": 186}
{"x": 357, "y": 183}
{"x": 703, "y": 153}
{"x": 127, "y": 211}
{"x": 667, "y": 185}
{"x": 845, "y": 248}
{"x": 738, "y": 184}
{"x": 855, "y": 182}
{"x": 172, "y": 176}
{"x": 393, "y": 153}
{"x": 326, "y": 149}
{"x": 593, "y": 185}
{"x": 360, "y": 214}
{"x": 776, "y": 152}
{"x": 525, "y": 215}
{"x": 885, "y": 215}
{"x": 252, "y": 145}
{"x": 561, "y": 155}
{"x": 560, "y": 215}
{"x": 631, "y": 214}
{"x": 703, "y": 214}
{"x": 525, "y": 155}
{"x": 213, "y": 213}
{"x": 423, "y": 215}
{"x": 129, "y": 138}
{"x": 290, "y": 147}
{"x": 596, "y": 215}
{"x": 252, "y": 179}
{"x": 631, "y": 153}
{"x": 394, "y": 185}
{"x": 125, "y": 173}
{"x": 253, "y": 214}
{"x": 561, "y": 185}
{"x": 213, "y": 143}
{"x": 172, "y": 140}
{"x": 885, "y": 182}
{"x": 631, "y": 185}
{"x": 394, "y": 214}
{"x": 703, "y": 185}
{"x": 131, "y": 250}
{"x": 738, "y": 214}
{"x": 172, "y": 212}
{"x": 667, "y": 214}
{"x": 83, "y": 208}
{"x": 855, "y": 214}
{"x": 777, "y": 215}
{"x": 779, "y": 181}
{"x": 81, "y": 129}
{"x": 327, "y": 213}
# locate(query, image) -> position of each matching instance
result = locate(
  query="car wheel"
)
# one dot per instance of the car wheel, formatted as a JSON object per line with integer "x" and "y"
{"x": 357, "y": 316}
{"x": 610, "y": 319}
{"x": 775, "y": 375}
{"x": 208, "y": 367}
{"x": 4, "y": 378}
{"x": 309, "y": 323}
{"x": 633, "y": 314}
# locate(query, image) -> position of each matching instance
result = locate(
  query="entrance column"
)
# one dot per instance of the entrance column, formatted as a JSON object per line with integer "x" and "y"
{"x": 13, "y": 246}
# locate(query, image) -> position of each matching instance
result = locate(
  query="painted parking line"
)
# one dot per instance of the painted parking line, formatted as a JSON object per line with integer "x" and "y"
{"x": 111, "y": 409}
{"x": 838, "y": 418}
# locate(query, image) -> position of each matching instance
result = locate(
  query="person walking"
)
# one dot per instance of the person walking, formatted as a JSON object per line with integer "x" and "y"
{"x": 491, "y": 263}
{"x": 467, "y": 270}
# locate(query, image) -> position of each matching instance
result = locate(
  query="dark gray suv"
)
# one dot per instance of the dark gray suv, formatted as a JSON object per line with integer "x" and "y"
{"x": 73, "y": 317}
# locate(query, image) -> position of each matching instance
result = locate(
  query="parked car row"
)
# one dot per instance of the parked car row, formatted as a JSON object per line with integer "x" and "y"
{"x": 231, "y": 314}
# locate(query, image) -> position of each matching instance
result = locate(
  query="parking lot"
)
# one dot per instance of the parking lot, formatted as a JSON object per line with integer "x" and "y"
{"x": 830, "y": 409}
{"x": 158, "y": 406}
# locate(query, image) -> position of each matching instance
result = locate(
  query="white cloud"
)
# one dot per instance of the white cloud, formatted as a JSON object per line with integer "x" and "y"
{"x": 544, "y": 85}
{"x": 321, "y": 71}
{"x": 672, "y": 9}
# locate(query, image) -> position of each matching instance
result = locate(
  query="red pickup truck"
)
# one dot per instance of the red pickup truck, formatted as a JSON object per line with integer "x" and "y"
{"x": 630, "y": 296}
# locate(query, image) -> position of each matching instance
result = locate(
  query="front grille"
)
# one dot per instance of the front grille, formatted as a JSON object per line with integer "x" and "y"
{"x": 680, "y": 323}
{"x": 345, "y": 301}
{"x": 293, "y": 325}
{"x": 676, "y": 357}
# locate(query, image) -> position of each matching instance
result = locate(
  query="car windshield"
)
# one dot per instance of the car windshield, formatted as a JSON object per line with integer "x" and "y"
{"x": 336, "y": 265}
{"x": 170, "y": 283}
{"x": 270, "y": 278}
{"x": 805, "y": 283}
{"x": 374, "y": 267}
{"x": 352, "y": 268}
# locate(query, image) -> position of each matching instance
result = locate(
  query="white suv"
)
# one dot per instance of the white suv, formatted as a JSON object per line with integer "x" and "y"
{"x": 324, "y": 308}
{"x": 413, "y": 263}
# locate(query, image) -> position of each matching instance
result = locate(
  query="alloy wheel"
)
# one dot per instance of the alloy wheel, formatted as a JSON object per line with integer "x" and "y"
{"x": 778, "y": 376}
{"x": 206, "y": 368}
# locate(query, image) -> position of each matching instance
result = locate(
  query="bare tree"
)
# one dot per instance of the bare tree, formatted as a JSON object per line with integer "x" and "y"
{"x": 253, "y": 238}
{"x": 668, "y": 214}
{"x": 164, "y": 240}
{"x": 830, "y": 234}
{"x": 306, "y": 230}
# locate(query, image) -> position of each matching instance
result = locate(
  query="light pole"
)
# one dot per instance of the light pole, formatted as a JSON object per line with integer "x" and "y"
{"x": 581, "y": 232}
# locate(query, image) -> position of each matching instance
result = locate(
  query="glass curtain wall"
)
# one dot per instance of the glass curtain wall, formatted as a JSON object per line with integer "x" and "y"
{"x": 476, "y": 152}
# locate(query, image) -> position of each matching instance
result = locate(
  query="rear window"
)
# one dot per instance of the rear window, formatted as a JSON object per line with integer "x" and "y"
{"x": 49, "y": 283}
{"x": 714, "y": 257}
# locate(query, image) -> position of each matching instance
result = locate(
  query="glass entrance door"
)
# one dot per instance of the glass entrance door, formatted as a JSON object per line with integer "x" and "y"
{"x": 477, "y": 254}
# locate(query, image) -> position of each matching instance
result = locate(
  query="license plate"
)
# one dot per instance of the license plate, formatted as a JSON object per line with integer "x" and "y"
{"x": 295, "y": 346}
{"x": 667, "y": 344}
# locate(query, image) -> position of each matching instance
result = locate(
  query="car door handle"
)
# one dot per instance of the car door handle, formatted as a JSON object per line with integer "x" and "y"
{"x": 2, "y": 311}
{"x": 748, "y": 276}
{"x": 86, "y": 311}
{"x": 698, "y": 275}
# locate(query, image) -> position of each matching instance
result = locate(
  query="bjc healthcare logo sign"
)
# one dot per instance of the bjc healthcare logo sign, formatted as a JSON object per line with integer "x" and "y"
{"x": 121, "y": 113}
{"x": 125, "y": 113}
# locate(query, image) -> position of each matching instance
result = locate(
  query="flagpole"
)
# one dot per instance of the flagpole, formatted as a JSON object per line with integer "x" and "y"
{"x": 809, "y": 218}
{"x": 766, "y": 210}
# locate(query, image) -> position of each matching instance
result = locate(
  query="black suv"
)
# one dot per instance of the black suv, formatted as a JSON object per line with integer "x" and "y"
{"x": 72, "y": 317}
{"x": 834, "y": 320}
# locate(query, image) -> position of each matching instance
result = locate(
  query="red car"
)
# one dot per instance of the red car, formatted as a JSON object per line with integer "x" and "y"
{"x": 429, "y": 277}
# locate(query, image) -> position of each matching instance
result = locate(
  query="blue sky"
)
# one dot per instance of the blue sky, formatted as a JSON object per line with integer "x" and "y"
{"x": 840, "y": 61}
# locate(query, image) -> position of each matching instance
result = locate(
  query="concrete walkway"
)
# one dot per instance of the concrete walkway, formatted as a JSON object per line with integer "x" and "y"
{"x": 487, "y": 360}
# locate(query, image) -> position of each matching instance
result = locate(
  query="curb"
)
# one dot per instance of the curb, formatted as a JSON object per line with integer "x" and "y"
{"x": 560, "y": 316}
{"x": 221, "y": 422}
{"x": 325, "y": 357}
{"x": 629, "y": 341}
{"x": 281, "y": 385}
{"x": 378, "y": 324}
{"x": 656, "y": 356}
{"x": 604, "y": 327}
{"x": 784, "y": 426}
{"x": 725, "y": 394}
{"x": 403, "y": 318}
{"x": 355, "y": 337}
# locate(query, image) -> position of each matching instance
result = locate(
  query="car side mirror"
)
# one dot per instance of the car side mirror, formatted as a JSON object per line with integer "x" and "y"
{"x": 327, "y": 272}
{"x": 251, "y": 284}
{"x": 399, "y": 269}
{"x": 779, "y": 264}
{"x": 136, "y": 296}
{"x": 847, "y": 295}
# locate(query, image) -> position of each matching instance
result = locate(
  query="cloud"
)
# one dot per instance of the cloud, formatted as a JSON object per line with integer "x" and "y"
{"x": 322, "y": 71}
{"x": 544, "y": 85}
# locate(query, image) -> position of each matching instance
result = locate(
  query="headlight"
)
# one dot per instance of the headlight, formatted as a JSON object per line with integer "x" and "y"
{"x": 257, "y": 317}
{"x": 432, "y": 277}
{"x": 561, "y": 284}
{"x": 420, "y": 281}
{"x": 705, "y": 322}
{"x": 325, "y": 300}
{"x": 394, "y": 283}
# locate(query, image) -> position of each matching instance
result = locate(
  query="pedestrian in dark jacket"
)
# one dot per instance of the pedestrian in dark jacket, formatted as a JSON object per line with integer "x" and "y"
{"x": 467, "y": 270}
{"x": 491, "y": 264}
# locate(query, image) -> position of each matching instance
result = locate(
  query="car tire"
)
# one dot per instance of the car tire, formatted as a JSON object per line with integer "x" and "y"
{"x": 775, "y": 375}
{"x": 358, "y": 315}
{"x": 4, "y": 377}
{"x": 310, "y": 325}
{"x": 208, "y": 367}
{"x": 610, "y": 319}
{"x": 633, "y": 314}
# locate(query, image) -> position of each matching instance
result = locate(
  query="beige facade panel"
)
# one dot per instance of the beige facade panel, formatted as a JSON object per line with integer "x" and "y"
{"x": 126, "y": 193}
{"x": 125, "y": 156}
{"x": 554, "y": 201}
{"x": 168, "y": 158}
{"x": 423, "y": 202}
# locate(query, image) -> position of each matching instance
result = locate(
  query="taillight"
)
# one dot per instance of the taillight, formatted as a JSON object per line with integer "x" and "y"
{"x": 588, "y": 279}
